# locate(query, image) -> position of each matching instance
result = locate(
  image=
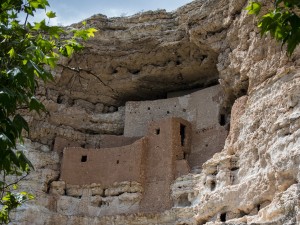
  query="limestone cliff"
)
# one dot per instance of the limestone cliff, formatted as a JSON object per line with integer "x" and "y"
{"x": 253, "y": 180}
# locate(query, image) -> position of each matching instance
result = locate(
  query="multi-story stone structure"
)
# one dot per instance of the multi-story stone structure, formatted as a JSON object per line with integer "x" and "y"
{"x": 200, "y": 108}
{"x": 157, "y": 147}
{"x": 154, "y": 161}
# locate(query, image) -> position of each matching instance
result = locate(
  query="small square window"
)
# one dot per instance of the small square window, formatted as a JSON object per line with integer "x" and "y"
{"x": 157, "y": 131}
{"x": 84, "y": 158}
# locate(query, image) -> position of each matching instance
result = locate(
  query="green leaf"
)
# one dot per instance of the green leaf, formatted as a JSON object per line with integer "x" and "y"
{"x": 293, "y": 41}
{"x": 40, "y": 26}
{"x": 30, "y": 196}
{"x": 4, "y": 98}
{"x": 91, "y": 32}
{"x": 38, "y": 4}
{"x": 6, "y": 140}
{"x": 253, "y": 8}
{"x": 55, "y": 31}
{"x": 20, "y": 123}
{"x": 36, "y": 105}
{"x": 12, "y": 53}
{"x": 51, "y": 14}
{"x": 45, "y": 45}
{"x": 13, "y": 157}
{"x": 70, "y": 50}
{"x": 85, "y": 33}
{"x": 29, "y": 10}
{"x": 279, "y": 33}
{"x": 25, "y": 164}
{"x": 41, "y": 72}
{"x": 51, "y": 61}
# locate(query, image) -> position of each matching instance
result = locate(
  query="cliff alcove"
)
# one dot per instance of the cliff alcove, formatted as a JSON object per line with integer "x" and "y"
{"x": 254, "y": 179}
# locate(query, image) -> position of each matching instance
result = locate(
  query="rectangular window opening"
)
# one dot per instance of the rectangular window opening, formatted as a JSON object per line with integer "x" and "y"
{"x": 222, "y": 120}
{"x": 185, "y": 155}
{"x": 157, "y": 131}
{"x": 182, "y": 134}
{"x": 84, "y": 158}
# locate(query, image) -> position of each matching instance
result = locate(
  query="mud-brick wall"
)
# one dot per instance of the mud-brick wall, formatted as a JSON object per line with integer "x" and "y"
{"x": 155, "y": 161}
{"x": 105, "y": 166}
{"x": 200, "y": 108}
{"x": 167, "y": 143}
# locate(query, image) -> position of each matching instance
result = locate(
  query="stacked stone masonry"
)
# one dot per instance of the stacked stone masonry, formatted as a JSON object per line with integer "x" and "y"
{"x": 154, "y": 161}
{"x": 200, "y": 108}
{"x": 169, "y": 147}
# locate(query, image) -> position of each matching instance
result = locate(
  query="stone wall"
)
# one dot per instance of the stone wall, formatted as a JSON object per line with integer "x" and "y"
{"x": 153, "y": 161}
{"x": 99, "y": 141}
{"x": 201, "y": 108}
{"x": 103, "y": 166}
{"x": 167, "y": 143}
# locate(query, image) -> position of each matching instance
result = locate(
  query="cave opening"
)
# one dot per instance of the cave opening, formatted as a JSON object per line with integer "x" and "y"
{"x": 212, "y": 185}
{"x": 223, "y": 217}
{"x": 222, "y": 120}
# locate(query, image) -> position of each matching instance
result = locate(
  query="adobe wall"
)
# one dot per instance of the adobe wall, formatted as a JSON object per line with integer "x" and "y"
{"x": 60, "y": 143}
{"x": 112, "y": 141}
{"x": 167, "y": 144}
{"x": 103, "y": 166}
{"x": 205, "y": 143}
{"x": 154, "y": 161}
{"x": 200, "y": 108}
{"x": 103, "y": 141}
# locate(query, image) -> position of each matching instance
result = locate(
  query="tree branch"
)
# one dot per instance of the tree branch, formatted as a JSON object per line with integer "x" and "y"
{"x": 78, "y": 70}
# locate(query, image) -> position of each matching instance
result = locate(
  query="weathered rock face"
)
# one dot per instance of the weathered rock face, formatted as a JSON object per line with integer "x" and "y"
{"x": 254, "y": 180}
{"x": 141, "y": 57}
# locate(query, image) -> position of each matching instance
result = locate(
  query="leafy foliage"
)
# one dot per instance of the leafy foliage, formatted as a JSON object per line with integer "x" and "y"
{"x": 253, "y": 8}
{"x": 11, "y": 201}
{"x": 26, "y": 50}
{"x": 282, "y": 22}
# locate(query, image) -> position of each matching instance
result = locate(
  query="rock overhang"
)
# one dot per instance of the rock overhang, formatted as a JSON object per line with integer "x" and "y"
{"x": 136, "y": 58}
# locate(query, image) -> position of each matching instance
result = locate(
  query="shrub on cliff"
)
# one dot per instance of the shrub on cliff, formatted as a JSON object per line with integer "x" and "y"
{"x": 26, "y": 50}
{"x": 282, "y": 21}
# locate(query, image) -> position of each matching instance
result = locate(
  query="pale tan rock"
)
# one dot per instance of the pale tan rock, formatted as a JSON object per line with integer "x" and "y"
{"x": 120, "y": 188}
{"x": 74, "y": 190}
{"x": 57, "y": 187}
{"x": 96, "y": 189}
{"x": 144, "y": 57}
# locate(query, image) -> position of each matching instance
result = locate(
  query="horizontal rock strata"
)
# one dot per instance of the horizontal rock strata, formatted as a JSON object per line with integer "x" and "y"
{"x": 253, "y": 180}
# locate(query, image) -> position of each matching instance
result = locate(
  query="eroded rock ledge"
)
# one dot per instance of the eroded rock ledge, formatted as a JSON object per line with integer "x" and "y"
{"x": 253, "y": 180}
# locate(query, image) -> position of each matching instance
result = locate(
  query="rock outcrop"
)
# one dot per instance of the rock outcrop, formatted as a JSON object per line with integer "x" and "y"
{"x": 253, "y": 180}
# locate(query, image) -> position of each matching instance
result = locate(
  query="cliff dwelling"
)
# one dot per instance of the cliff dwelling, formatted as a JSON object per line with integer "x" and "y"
{"x": 163, "y": 139}
{"x": 142, "y": 115}
{"x": 153, "y": 161}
